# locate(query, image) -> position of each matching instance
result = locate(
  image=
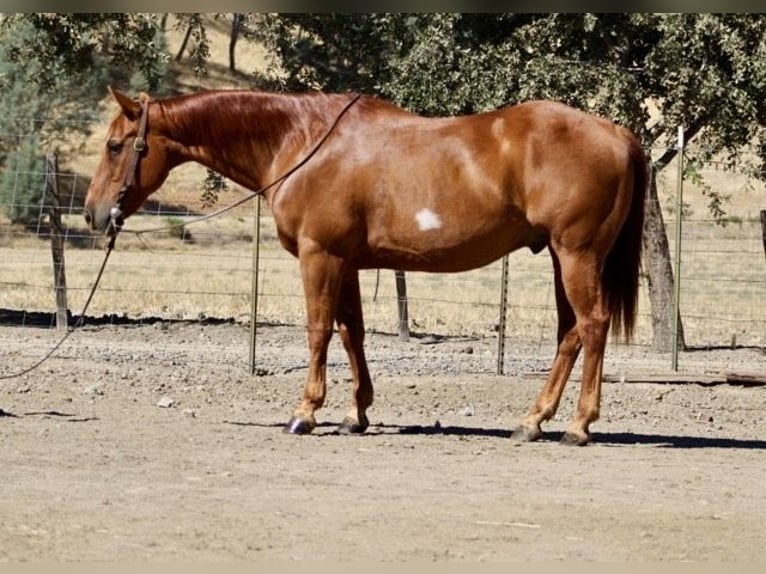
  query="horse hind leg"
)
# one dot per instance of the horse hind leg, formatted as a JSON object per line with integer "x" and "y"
{"x": 569, "y": 345}
{"x": 350, "y": 322}
{"x": 582, "y": 283}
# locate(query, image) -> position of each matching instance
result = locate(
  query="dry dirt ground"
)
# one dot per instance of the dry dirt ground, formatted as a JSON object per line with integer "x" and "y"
{"x": 154, "y": 442}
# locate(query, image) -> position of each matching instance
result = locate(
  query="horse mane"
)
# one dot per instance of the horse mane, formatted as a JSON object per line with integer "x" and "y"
{"x": 216, "y": 116}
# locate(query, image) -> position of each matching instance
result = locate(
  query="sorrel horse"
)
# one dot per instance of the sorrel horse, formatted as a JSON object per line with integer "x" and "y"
{"x": 378, "y": 187}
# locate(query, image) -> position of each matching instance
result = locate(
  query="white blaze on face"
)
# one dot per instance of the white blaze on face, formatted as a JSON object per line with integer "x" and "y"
{"x": 428, "y": 220}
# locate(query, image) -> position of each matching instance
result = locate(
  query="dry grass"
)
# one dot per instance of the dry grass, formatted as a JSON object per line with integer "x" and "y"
{"x": 722, "y": 291}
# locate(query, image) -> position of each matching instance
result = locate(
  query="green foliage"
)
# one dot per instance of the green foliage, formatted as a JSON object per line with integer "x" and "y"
{"x": 213, "y": 185}
{"x": 28, "y": 124}
{"x": 65, "y": 45}
{"x": 199, "y": 51}
{"x": 54, "y": 68}
{"x": 336, "y": 52}
{"x": 716, "y": 199}
{"x": 148, "y": 77}
{"x": 22, "y": 184}
{"x": 457, "y": 64}
{"x": 25, "y": 110}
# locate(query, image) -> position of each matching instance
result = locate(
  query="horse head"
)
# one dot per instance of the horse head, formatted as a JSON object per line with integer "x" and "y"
{"x": 133, "y": 165}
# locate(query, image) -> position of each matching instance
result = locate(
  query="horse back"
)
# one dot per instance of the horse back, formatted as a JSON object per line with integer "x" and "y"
{"x": 392, "y": 189}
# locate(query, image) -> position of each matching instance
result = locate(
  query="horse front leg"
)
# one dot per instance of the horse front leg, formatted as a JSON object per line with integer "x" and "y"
{"x": 321, "y": 273}
{"x": 351, "y": 328}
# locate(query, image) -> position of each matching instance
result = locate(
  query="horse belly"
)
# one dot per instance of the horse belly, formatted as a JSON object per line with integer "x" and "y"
{"x": 430, "y": 245}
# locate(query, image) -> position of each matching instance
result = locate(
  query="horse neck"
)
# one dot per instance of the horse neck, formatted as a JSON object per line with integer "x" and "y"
{"x": 245, "y": 136}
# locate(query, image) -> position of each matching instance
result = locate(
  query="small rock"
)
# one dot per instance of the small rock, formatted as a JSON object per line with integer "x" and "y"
{"x": 466, "y": 411}
{"x": 166, "y": 402}
{"x": 190, "y": 413}
{"x": 93, "y": 390}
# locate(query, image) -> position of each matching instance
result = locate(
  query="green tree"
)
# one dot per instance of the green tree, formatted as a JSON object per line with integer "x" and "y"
{"x": 30, "y": 118}
{"x": 53, "y": 70}
{"x": 22, "y": 183}
{"x": 336, "y": 52}
{"x": 66, "y": 45}
{"x": 706, "y": 73}
{"x": 199, "y": 51}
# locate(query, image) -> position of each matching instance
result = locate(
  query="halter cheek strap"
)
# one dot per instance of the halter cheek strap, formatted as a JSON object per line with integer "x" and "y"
{"x": 139, "y": 145}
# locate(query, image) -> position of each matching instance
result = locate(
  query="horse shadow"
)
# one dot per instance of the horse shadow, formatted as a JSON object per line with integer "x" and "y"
{"x": 603, "y": 439}
{"x": 597, "y": 438}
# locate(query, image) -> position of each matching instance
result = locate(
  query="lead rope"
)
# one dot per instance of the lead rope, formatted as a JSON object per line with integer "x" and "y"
{"x": 138, "y": 147}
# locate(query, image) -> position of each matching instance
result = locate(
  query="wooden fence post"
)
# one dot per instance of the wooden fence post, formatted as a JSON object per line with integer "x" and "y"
{"x": 763, "y": 229}
{"x": 57, "y": 240}
{"x": 401, "y": 299}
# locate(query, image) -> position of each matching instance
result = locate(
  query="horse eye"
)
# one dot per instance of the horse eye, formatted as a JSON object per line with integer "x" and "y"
{"x": 114, "y": 147}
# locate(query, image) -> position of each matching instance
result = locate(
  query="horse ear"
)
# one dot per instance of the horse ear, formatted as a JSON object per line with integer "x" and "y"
{"x": 130, "y": 107}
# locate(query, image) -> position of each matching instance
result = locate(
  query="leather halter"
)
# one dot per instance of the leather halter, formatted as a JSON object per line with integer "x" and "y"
{"x": 139, "y": 145}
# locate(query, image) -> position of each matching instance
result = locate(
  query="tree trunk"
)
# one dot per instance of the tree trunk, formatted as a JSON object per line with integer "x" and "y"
{"x": 181, "y": 50}
{"x": 659, "y": 274}
{"x": 236, "y": 27}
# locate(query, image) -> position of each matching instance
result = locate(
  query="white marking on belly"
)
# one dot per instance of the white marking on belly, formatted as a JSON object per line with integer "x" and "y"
{"x": 428, "y": 220}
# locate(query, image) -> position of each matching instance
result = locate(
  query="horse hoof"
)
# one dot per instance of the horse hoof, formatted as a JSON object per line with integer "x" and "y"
{"x": 349, "y": 425}
{"x": 573, "y": 439}
{"x": 525, "y": 434}
{"x": 297, "y": 425}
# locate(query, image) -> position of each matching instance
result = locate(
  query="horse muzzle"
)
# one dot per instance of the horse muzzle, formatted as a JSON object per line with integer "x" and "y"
{"x": 110, "y": 222}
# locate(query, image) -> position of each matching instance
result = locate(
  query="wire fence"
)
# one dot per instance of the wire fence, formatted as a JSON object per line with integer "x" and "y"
{"x": 205, "y": 271}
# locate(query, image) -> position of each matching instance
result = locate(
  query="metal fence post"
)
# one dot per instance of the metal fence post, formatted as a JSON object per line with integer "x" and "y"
{"x": 679, "y": 217}
{"x": 503, "y": 313}
{"x": 254, "y": 284}
{"x": 401, "y": 299}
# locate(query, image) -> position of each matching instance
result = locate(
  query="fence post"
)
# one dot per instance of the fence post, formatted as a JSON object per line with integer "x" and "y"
{"x": 401, "y": 299}
{"x": 503, "y": 313}
{"x": 57, "y": 240}
{"x": 254, "y": 285}
{"x": 763, "y": 229}
{"x": 679, "y": 217}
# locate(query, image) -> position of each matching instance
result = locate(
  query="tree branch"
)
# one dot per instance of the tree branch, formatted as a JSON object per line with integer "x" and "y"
{"x": 672, "y": 152}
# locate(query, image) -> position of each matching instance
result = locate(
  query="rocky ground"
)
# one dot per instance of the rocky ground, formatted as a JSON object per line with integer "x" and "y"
{"x": 153, "y": 442}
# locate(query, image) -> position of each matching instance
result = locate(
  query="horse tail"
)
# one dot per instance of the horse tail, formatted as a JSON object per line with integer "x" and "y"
{"x": 623, "y": 263}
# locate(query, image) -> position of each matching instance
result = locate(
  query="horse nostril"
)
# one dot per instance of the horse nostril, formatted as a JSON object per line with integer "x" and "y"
{"x": 88, "y": 217}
